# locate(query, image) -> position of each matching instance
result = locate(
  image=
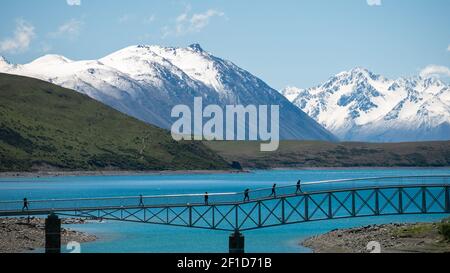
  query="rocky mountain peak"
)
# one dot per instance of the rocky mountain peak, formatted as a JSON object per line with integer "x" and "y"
{"x": 196, "y": 47}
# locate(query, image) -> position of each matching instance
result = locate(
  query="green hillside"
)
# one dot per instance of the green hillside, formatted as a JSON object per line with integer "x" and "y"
{"x": 304, "y": 154}
{"x": 46, "y": 127}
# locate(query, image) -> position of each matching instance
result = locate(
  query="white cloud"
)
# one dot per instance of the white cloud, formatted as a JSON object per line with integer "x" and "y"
{"x": 200, "y": 20}
{"x": 74, "y": 2}
{"x": 132, "y": 18}
{"x": 166, "y": 31}
{"x": 187, "y": 23}
{"x": 70, "y": 29}
{"x": 374, "y": 2}
{"x": 23, "y": 35}
{"x": 125, "y": 18}
{"x": 435, "y": 71}
{"x": 46, "y": 47}
{"x": 448, "y": 48}
{"x": 150, "y": 19}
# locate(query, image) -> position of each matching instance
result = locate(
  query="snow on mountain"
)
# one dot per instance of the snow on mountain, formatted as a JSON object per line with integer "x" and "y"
{"x": 4, "y": 63}
{"x": 50, "y": 60}
{"x": 359, "y": 105}
{"x": 147, "y": 81}
{"x": 291, "y": 92}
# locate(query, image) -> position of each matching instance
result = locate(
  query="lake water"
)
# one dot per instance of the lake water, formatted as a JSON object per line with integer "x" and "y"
{"x": 137, "y": 237}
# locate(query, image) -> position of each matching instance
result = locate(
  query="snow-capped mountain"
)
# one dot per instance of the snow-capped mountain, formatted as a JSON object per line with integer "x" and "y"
{"x": 147, "y": 81}
{"x": 359, "y": 105}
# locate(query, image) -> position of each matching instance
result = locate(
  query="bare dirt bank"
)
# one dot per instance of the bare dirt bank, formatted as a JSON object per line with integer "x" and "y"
{"x": 17, "y": 236}
{"x": 393, "y": 238}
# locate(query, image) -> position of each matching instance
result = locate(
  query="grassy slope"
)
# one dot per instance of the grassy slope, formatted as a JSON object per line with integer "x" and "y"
{"x": 43, "y": 126}
{"x": 324, "y": 154}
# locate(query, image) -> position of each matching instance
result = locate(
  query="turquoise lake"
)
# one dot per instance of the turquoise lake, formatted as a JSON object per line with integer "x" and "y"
{"x": 136, "y": 237}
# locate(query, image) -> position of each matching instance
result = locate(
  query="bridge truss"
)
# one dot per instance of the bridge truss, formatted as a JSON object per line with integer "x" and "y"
{"x": 286, "y": 209}
{"x": 314, "y": 201}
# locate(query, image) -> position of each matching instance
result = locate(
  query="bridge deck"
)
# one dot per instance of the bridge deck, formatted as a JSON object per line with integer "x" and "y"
{"x": 45, "y": 211}
{"x": 229, "y": 211}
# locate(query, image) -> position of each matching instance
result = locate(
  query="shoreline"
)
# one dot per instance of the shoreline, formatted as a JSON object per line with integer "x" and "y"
{"x": 19, "y": 236}
{"x": 44, "y": 174}
{"x": 392, "y": 238}
{"x": 357, "y": 168}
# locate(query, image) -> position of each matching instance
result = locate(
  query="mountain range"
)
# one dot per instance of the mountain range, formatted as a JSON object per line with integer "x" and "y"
{"x": 359, "y": 105}
{"x": 145, "y": 82}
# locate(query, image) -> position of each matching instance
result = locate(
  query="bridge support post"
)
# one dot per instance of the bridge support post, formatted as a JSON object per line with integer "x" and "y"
{"x": 354, "y": 203}
{"x": 377, "y": 202}
{"x": 330, "y": 205}
{"x": 447, "y": 199}
{"x": 52, "y": 234}
{"x": 259, "y": 214}
{"x": 306, "y": 208}
{"x": 190, "y": 215}
{"x": 424, "y": 200}
{"x": 236, "y": 243}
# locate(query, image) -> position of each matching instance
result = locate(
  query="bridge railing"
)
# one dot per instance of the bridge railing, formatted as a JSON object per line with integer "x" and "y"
{"x": 378, "y": 181}
{"x": 222, "y": 198}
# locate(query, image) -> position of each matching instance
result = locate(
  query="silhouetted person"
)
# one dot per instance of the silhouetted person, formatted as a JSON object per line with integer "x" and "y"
{"x": 246, "y": 195}
{"x": 206, "y": 198}
{"x": 274, "y": 194}
{"x": 141, "y": 201}
{"x": 299, "y": 189}
{"x": 25, "y": 204}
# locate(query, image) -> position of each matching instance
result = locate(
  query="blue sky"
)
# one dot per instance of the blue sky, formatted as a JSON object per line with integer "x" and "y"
{"x": 288, "y": 42}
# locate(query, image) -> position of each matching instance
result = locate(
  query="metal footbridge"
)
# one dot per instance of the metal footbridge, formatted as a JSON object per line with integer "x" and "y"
{"x": 313, "y": 201}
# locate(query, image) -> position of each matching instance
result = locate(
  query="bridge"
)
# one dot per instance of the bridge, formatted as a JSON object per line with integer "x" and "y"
{"x": 312, "y": 201}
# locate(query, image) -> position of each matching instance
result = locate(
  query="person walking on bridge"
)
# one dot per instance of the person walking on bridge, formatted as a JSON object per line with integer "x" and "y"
{"x": 206, "y": 198}
{"x": 141, "y": 201}
{"x": 246, "y": 195}
{"x": 274, "y": 193}
{"x": 25, "y": 204}
{"x": 299, "y": 189}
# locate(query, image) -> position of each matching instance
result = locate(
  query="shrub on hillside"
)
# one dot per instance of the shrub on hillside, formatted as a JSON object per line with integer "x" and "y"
{"x": 444, "y": 228}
